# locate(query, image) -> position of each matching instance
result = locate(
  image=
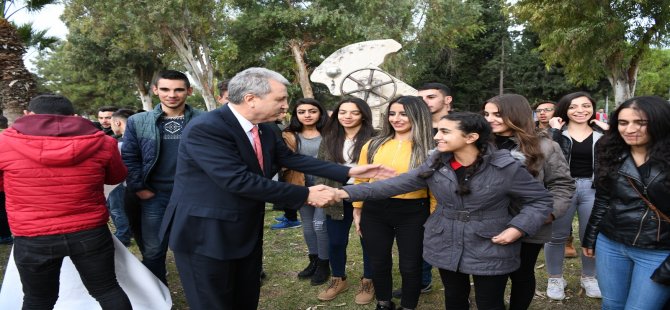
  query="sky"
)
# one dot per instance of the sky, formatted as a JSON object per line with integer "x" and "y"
{"x": 47, "y": 18}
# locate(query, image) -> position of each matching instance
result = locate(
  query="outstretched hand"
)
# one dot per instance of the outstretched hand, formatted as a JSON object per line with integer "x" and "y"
{"x": 357, "y": 221}
{"x": 377, "y": 171}
{"x": 321, "y": 196}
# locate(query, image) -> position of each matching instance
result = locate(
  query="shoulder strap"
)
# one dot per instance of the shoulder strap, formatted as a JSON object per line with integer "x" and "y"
{"x": 649, "y": 204}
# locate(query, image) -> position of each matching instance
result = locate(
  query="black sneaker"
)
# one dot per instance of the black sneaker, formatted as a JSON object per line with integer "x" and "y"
{"x": 424, "y": 289}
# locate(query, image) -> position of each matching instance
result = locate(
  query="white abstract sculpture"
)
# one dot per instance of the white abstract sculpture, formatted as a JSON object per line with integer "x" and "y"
{"x": 354, "y": 71}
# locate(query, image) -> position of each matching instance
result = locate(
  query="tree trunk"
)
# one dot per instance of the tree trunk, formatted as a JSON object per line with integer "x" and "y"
{"x": 197, "y": 63}
{"x": 303, "y": 74}
{"x": 17, "y": 85}
{"x": 144, "y": 89}
{"x": 623, "y": 82}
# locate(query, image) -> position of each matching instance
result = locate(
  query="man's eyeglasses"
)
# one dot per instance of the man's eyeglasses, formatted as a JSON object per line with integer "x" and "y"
{"x": 544, "y": 110}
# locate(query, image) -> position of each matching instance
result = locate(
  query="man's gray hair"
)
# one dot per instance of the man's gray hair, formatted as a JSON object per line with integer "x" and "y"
{"x": 255, "y": 81}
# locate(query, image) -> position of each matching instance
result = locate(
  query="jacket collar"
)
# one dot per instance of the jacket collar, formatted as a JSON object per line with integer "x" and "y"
{"x": 249, "y": 156}
{"x": 158, "y": 111}
{"x": 629, "y": 169}
{"x": 499, "y": 158}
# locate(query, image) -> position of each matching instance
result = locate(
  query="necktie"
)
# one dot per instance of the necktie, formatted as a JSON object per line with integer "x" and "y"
{"x": 257, "y": 145}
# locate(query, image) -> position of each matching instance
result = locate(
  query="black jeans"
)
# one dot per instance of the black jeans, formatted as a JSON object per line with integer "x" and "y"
{"x": 523, "y": 279}
{"x": 4, "y": 225}
{"x": 39, "y": 260}
{"x": 382, "y": 221}
{"x": 489, "y": 290}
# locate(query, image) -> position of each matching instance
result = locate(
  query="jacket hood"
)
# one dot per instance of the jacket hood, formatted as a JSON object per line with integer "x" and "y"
{"x": 54, "y": 140}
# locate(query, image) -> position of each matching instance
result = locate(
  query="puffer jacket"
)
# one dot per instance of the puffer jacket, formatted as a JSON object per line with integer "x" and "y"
{"x": 141, "y": 145}
{"x": 555, "y": 175}
{"x": 458, "y": 234}
{"x": 54, "y": 168}
{"x": 622, "y": 216}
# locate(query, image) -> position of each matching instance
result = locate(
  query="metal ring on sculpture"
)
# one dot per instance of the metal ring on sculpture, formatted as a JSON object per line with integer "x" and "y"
{"x": 367, "y": 84}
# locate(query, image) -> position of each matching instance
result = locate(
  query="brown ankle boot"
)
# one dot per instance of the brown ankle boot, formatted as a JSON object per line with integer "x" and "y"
{"x": 366, "y": 293}
{"x": 337, "y": 285}
{"x": 570, "y": 251}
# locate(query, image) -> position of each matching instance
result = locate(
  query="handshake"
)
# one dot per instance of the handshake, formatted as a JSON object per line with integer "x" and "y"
{"x": 321, "y": 196}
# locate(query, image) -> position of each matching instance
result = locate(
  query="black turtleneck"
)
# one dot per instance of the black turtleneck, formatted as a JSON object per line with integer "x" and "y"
{"x": 505, "y": 142}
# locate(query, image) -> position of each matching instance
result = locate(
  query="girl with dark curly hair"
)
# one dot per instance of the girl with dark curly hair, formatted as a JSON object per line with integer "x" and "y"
{"x": 631, "y": 216}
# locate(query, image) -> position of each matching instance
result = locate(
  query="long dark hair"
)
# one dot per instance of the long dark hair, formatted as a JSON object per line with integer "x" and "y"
{"x": 517, "y": 115}
{"x": 612, "y": 146}
{"x": 563, "y": 105}
{"x": 422, "y": 139}
{"x": 468, "y": 122}
{"x": 296, "y": 126}
{"x": 334, "y": 135}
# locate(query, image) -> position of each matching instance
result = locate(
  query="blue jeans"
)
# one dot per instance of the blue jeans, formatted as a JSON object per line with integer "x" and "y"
{"x": 338, "y": 240}
{"x": 624, "y": 276}
{"x": 554, "y": 250}
{"x": 426, "y": 274}
{"x": 118, "y": 214}
{"x": 39, "y": 260}
{"x": 314, "y": 230}
{"x": 154, "y": 251}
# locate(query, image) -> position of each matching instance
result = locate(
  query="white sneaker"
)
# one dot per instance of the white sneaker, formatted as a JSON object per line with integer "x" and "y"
{"x": 556, "y": 288}
{"x": 590, "y": 286}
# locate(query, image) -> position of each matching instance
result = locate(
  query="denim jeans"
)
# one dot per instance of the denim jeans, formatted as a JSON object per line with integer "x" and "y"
{"x": 314, "y": 230}
{"x": 338, "y": 240}
{"x": 426, "y": 274}
{"x": 39, "y": 260}
{"x": 154, "y": 251}
{"x": 624, "y": 276}
{"x": 554, "y": 250}
{"x": 115, "y": 202}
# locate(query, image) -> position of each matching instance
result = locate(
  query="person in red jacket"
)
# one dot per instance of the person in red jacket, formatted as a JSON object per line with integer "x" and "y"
{"x": 54, "y": 165}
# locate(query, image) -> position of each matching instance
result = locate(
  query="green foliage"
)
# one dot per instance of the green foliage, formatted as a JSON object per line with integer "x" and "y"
{"x": 9, "y": 7}
{"x": 528, "y": 75}
{"x": 261, "y": 31}
{"x": 35, "y": 38}
{"x": 594, "y": 38}
{"x": 87, "y": 89}
{"x": 654, "y": 76}
{"x": 472, "y": 69}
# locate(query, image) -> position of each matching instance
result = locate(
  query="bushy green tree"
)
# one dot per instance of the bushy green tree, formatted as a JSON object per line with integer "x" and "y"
{"x": 596, "y": 38}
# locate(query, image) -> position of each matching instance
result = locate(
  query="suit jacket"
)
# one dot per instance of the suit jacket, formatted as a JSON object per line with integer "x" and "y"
{"x": 218, "y": 202}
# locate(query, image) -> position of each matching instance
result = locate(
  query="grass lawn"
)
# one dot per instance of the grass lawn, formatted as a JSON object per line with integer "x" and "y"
{"x": 285, "y": 254}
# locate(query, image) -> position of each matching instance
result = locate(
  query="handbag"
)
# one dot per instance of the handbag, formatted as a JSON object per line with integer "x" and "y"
{"x": 651, "y": 206}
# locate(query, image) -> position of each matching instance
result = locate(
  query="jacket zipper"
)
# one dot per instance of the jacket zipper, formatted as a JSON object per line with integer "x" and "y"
{"x": 646, "y": 212}
{"x": 639, "y": 229}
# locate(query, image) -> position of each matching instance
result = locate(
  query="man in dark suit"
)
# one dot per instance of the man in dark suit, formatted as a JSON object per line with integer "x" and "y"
{"x": 215, "y": 216}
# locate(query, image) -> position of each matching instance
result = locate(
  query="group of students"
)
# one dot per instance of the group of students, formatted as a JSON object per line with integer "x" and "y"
{"x": 484, "y": 192}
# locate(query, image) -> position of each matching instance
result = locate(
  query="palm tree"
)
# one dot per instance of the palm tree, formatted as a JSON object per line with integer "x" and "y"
{"x": 17, "y": 85}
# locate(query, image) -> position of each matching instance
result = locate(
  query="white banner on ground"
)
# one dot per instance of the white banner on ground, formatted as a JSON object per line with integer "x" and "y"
{"x": 143, "y": 288}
